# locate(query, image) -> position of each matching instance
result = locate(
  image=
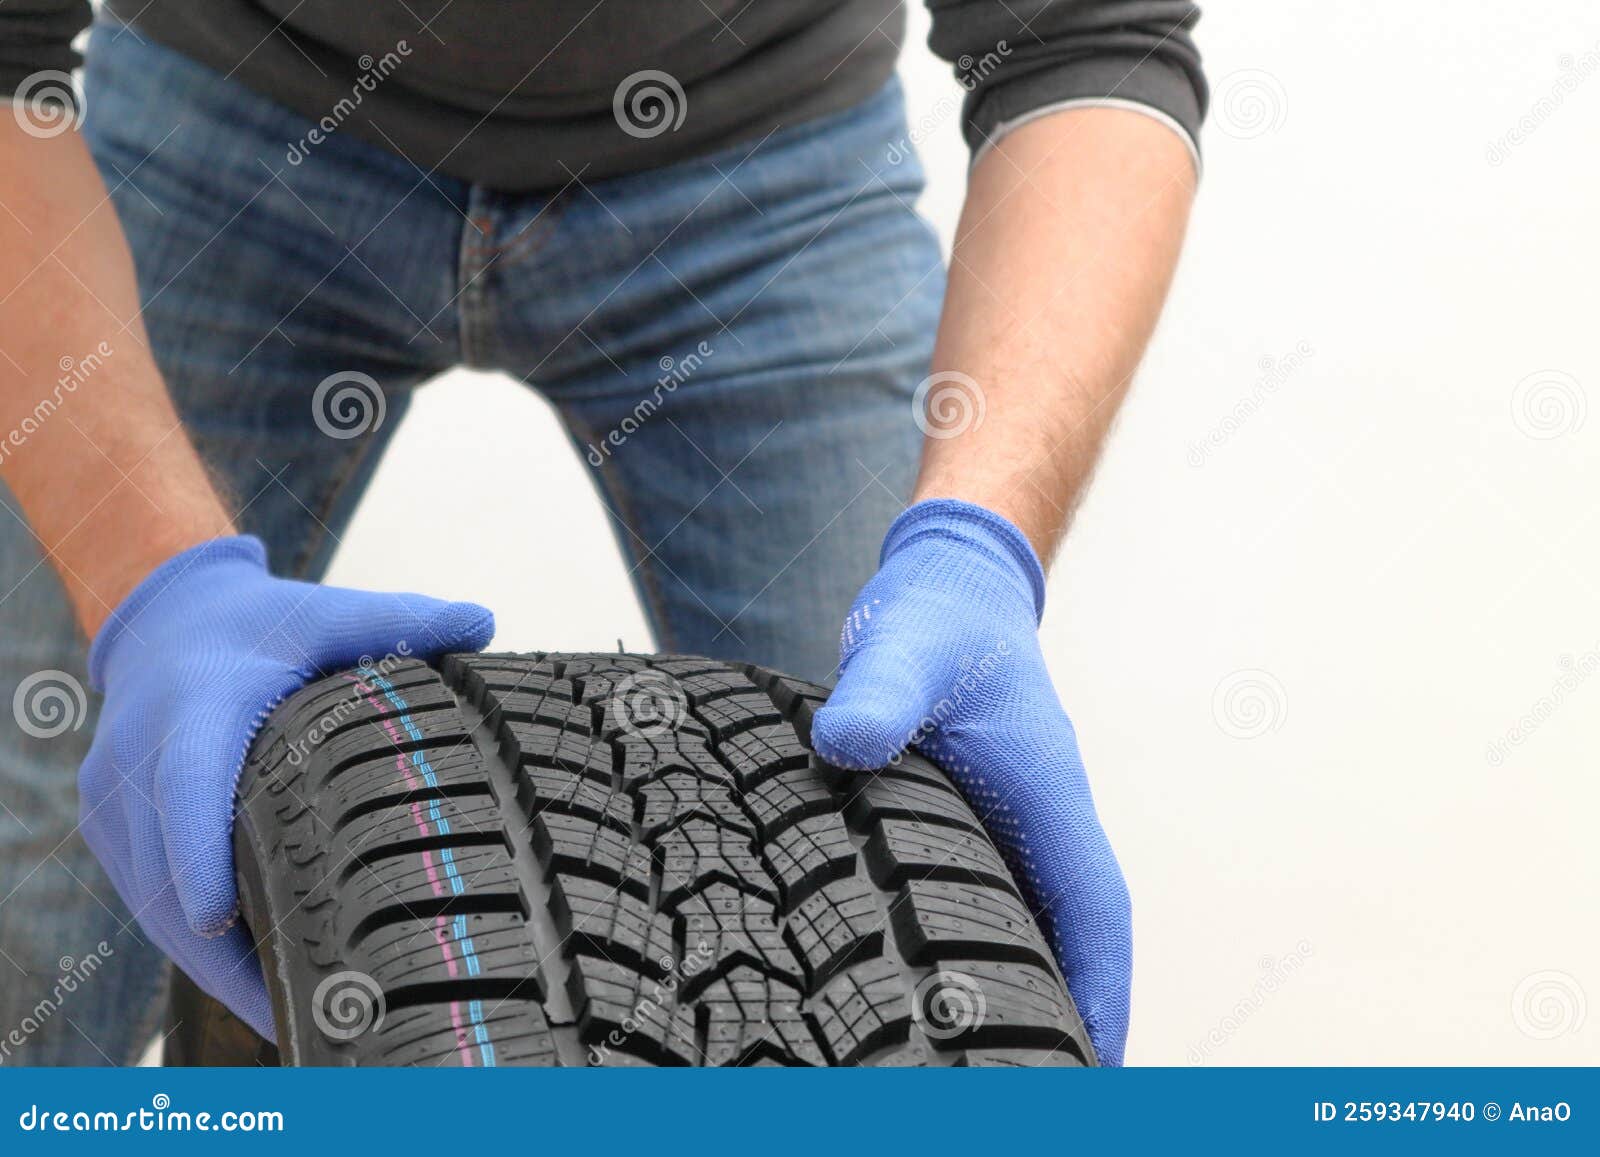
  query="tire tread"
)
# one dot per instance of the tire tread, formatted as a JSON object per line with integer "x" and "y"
{"x": 528, "y": 876}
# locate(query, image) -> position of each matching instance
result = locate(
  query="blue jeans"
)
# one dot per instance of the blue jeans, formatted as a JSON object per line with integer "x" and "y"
{"x": 732, "y": 343}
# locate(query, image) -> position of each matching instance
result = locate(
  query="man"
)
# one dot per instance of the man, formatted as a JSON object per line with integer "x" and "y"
{"x": 689, "y": 225}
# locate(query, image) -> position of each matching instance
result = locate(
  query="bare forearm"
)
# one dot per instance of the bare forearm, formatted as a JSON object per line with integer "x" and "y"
{"x": 1065, "y": 249}
{"x": 89, "y": 442}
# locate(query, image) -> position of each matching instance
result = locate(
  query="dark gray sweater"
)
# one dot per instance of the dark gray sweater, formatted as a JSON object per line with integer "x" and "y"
{"x": 519, "y": 94}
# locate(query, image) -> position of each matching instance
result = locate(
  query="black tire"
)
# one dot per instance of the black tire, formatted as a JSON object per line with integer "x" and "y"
{"x": 627, "y": 860}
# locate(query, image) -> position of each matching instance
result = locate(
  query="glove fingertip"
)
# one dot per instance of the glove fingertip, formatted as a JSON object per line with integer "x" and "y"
{"x": 196, "y": 829}
{"x": 855, "y": 740}
{"x": 210, "y": 909}
{"x": 478, "y": 628}
{"x": 460, "y": 627}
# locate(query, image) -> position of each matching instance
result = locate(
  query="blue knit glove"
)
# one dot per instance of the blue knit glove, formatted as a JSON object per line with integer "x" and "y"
{"x": 191, "y": 664}
{"x": 941, "y": 652}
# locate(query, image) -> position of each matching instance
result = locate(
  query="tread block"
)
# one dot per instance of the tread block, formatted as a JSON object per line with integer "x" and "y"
{"x": 397, "y": 828}
{"x": 997, "y": 1004}
{"x": 935, "y": 920}
{"x": 443, "y": 949}
{"x": 764, "y": 751}
{"x": 642, "y": 758}
{"x": 354, "y": 752}
{"x": 547, "y": 789}
{"x": 880, "y": 797}
{"x": 464, "y": 1034}
{"x": 673, "y": 797}
{"x": 483, "y": 685}
{"x": 699, "y": 851}
{"x": 457, "y": 668}
{"x": 347, "y": 708}
{"x": 862, "y": 1011}
{"x": 539, "y": 708}
{"x": 582, "y": 847}
{"x": 603, "y": 921}
{"x": 596, "y": 671}
{"x": 391, "y": 776}
{"x": 538, "y": 745}
{"x": 732, "y": 714}
{"x": 480, "y": 878}
{"x": 836, "y": 927}
{"x": 916, "y": 768}
{"x": 752, "y": 1018}
{"x": 639, "y": 704}
{"x": 684, "y": 666}
{"x": 323, "y": 695}
{"x": 795, "y": 698}
{"x": 900, "y": 849}
{"x": 702, "y": 687}
{"x": 809, "y": 854}
{"x": 723, "y": 928}
{"x": 620, "y": 1009}
{"x": 786, "y": 798}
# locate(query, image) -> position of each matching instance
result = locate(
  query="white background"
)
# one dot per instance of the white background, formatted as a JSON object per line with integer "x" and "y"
{"x": 1396, "y": 544}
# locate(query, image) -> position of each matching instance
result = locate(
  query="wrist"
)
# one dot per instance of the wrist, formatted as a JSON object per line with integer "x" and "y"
{"x": 97, "y": 582}
{"x": 975, "y": 529}
{"x": 243, "y": 553}
{"x": 1026, "y": 507}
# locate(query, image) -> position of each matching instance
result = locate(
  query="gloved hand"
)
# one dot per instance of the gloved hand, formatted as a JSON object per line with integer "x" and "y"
{"x": 191, "y": 664}
{"x": 941, "y": 652}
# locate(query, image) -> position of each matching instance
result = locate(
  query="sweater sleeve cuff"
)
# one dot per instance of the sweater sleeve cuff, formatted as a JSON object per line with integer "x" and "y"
{"x": 1005, "y": 128}
{"x": 1157, "y": 87}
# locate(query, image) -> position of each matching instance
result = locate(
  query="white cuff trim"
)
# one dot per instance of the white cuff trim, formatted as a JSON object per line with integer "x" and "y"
{"x": 1004, "y": 128}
